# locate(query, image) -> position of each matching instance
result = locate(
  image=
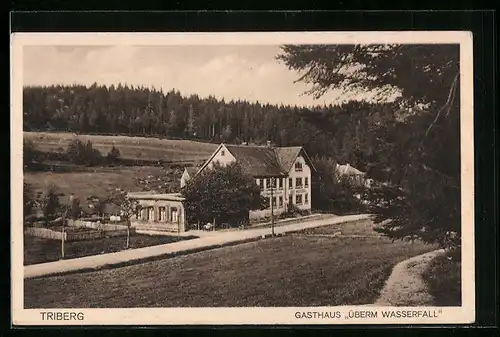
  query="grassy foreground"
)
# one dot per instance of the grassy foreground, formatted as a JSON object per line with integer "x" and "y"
{"x": 443, "y": 278}
{"x": 284, "y": 271}
{"x": 39, "y": 250}
{"x": 363, "y": 227}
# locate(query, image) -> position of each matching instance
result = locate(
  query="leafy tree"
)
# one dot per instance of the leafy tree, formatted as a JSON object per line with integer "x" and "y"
{"x": 323, "y": 184}
{"x": 419, "y": 154}
{"x": 28, "y": 199}
{"x": 29, "y": 152}
{"x": 224, "y": 193}
{"x": 92, "y": 156}
{"x": 128, "y": 208}
{"x": 74, "y": 208}
{"x": 114, "y": 154}
{"x": 50, "y": 203}
{"x": 76, "y": 152}
{"x": 81, "y": 154}
{"x": 332, "y": 192}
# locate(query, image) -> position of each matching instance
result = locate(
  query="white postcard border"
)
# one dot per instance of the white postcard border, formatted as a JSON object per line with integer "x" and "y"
{"x": 238, "y": 316}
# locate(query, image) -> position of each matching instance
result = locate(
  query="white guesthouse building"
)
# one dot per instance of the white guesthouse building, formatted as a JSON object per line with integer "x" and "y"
{"x": 289, "y": 167}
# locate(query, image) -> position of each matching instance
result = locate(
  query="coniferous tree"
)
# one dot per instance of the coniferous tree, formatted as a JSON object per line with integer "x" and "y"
{"x": 421, "y": 197}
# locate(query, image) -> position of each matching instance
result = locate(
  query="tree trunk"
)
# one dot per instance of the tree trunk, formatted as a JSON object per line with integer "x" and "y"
{"x": 128, "y": 235}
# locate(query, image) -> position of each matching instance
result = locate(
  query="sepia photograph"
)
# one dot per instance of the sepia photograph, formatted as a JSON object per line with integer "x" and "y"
{"x": 242, "y": 178}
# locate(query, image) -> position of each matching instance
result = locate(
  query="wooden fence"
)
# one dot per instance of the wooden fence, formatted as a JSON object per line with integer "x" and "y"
{"x": 77, "y": 236}
{"x": 44, "y": 233}
{"x": 95, "y": 225}
{"x": 97, "y": 234}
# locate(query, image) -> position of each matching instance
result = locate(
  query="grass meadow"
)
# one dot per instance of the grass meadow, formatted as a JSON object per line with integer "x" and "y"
{"x": 169, "y": 150}
{"x": 39, "y": 250}
{"x": 283, "y": 271}
{"x": 99, "y": 181}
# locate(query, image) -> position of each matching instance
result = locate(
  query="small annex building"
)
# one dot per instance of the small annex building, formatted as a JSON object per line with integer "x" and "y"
{"x": 159, "y": 211}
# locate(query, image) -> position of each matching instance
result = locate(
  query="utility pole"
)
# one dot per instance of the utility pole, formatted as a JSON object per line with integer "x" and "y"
{"x": 178, "y": 227}
{"x": 62, "y": 238}
{"x": 273, "y": 180}
{"x": 63, "y": 224}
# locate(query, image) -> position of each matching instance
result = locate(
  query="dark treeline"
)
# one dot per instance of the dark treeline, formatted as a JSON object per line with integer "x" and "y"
{"x": 345, "y": 132}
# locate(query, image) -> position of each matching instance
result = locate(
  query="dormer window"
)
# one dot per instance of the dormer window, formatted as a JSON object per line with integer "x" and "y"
{"x": 298, "y": 167}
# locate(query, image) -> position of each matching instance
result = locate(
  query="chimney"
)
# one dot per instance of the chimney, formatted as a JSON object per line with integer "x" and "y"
{"x": 268, "y": 143}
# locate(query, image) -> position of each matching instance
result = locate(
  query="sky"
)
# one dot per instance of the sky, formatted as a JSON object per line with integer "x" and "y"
{"x": 246, "y": 72}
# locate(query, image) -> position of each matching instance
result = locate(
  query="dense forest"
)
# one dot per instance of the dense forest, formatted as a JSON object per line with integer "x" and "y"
{"x": 346, "y": 132}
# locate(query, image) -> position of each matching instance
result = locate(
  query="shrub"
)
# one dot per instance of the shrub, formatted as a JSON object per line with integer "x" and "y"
{"x": 81, "y": 154}
{"x": 113, "y": 155}
{"x": 293, "y": 211}
{"x": 50, "y": 203}
{"x": 443, "y": 277}
{"x": 30, "y": 154}
{"x": 27, "y": 200}
{"x": 334, "y": 193}
{"x": 75, "y": 209}
{"x": 344, "y": 198}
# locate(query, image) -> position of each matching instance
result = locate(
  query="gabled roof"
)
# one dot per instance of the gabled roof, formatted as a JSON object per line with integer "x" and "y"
{"x": 348, "y": 170}
{"x": 257, "y": 160}
{"x": 262, "y": 161}
{"x": 287, "y": 155}
{"x": 155, "y": 196}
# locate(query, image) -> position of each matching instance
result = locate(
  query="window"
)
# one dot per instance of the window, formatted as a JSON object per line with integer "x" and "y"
{"x": 280, "y": 181}
{"x": 161, "y": 214}
{"x": 174, "y": 215}
{"x": 306, "y": 182}
{"x": 261, "y": 183}
{"x": 290, "y": 183}
{"x": 280, "y": 202}
{"x": 306, "y": 198}
{"x": 273, "y": 182}
{"x": 298, "y": 182}
{"x": 298, "y": 166}
{"x": 223, "y": 153}
{"x": 147, "y": 213}
{"x": 274, "y": 201}
{"x": 298, "y": 199}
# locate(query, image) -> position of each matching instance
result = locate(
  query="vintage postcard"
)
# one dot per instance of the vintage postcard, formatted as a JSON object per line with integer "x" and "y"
{"x": 242, "y": 178}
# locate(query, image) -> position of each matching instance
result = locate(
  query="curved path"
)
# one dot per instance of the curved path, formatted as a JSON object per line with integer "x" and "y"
{"x": 405, "y": 286}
